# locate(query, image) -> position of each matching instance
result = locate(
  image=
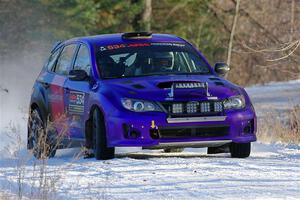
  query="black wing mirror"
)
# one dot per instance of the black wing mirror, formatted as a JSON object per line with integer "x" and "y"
{"x": 78, "y": 75}
{"x": 222, "y": 69}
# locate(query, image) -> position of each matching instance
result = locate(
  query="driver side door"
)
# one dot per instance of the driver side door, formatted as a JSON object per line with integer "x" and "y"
{"x": 77, "y": 93}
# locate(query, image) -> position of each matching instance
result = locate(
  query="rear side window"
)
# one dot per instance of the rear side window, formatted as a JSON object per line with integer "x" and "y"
{"x": 83, "y": 59}
{"x": 52, "y": 60}
{"x": 65, "y": 60}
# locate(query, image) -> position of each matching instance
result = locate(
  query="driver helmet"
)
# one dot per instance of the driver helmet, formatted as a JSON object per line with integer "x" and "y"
{"x": 163, "y": 60}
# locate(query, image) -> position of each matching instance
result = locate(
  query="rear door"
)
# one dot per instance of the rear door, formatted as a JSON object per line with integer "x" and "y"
{"x": 78, "y": 94}
{"x": 57, "y": 98}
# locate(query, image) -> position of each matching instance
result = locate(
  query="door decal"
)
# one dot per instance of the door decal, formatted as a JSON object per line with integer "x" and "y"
{"x": 76, "y": 102}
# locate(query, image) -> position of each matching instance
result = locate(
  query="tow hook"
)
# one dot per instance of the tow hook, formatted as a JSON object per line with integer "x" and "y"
{"x": 154, "y": 132}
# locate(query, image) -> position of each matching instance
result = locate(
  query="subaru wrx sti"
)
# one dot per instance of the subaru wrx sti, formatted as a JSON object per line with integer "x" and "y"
{"x": 137, "y": 89}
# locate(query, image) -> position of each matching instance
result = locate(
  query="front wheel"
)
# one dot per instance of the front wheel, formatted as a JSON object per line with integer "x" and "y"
{"x": 101, "y": 151}
{"x": 240, "y": 150}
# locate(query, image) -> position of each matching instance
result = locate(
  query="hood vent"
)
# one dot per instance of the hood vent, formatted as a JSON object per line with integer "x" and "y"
{"x": 214, "y": 79}
{"x": 138, "y": 86}
{"x": 219, "y": 83}
{"x": 127, "y": 82}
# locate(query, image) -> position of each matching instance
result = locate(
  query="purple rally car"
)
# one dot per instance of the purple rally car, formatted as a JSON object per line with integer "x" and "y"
{"x": 137, "y": 89}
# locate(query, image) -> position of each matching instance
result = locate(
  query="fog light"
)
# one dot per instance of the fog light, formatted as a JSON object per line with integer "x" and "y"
{"x": 218, "y": 107}
{"x": 130, "y": 132}
{"x": 205, "y": 107}
{"x": 191, "y": 107}
{"x": 177, "y": 108}
{"x": 247, "y": 129}
{"x": 134, "y": 134}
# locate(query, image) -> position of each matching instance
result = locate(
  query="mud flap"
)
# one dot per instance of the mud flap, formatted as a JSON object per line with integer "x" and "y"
{"x": 220, "y": 149}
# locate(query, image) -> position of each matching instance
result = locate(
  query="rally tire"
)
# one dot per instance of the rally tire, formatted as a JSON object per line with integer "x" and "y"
{"x": 240, "y": 150}
{"x": 39, "y": 140}
{"x": 101, "y": 150}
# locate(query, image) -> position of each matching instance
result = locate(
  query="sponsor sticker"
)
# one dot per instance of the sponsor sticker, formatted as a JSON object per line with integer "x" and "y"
{"x": 133, "y": 45}
{"x": 76, "y": 102}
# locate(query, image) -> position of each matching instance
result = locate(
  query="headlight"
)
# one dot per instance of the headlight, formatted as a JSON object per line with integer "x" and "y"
{"x": 139, "y": 105}
{"x": 235, "y": 102}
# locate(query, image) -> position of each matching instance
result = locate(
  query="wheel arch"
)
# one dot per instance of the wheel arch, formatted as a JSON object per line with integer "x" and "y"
{"x": 42, "y": 109}
{"x": 40, "y": 101}
{"x": 94, "y": 107}
{"x": 88, "y": 124}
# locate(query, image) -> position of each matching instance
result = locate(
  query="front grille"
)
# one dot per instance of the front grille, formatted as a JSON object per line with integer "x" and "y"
{"x": 194, "y": 108}
{"x": 193, "y": 132}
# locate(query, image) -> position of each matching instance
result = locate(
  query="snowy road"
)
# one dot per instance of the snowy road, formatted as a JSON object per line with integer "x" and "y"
{"x": 271, "y": 172}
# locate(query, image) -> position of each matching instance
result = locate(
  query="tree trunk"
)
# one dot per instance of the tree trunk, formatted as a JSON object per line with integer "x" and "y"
{"x": 237, "y": 7}
{"x": 146, "y": 15}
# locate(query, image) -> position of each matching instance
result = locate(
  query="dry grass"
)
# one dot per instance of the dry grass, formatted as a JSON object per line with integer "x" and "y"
{"x": 33, "y": 178}
{"x": 4, "y": 196}
{"x": 280, "y": 126}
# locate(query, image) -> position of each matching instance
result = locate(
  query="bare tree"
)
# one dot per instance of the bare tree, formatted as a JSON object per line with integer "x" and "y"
{"x": 146, "y": 15}
{"x": 292, "y": 20}
{"x": 237, "y": 7}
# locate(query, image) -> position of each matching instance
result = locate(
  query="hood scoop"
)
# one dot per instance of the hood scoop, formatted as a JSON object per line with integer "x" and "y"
{"x": 181, "y": 85}
{"x": 165, "y": 85}
{"x": 183, "y": 88}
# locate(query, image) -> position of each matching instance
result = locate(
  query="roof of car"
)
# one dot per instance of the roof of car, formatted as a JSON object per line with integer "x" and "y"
{"x": 117, "y": 38}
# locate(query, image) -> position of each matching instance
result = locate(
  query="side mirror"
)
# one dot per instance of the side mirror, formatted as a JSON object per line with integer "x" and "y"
{"x": 222, "y": 69}
{"x": 78, "y": 75}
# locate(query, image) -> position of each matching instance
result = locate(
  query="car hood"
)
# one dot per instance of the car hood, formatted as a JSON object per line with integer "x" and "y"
{"x": 157, "y": 88}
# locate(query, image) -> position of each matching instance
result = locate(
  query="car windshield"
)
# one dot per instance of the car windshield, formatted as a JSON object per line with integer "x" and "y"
{"x": 148, "y": 59}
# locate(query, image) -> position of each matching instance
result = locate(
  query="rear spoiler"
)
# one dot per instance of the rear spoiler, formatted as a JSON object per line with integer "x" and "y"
{"x": 137, "y": 35}
{"x": 55, "y": 46}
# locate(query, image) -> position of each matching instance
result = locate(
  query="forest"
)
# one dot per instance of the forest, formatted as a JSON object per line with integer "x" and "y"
{"x": 259, "y": 39}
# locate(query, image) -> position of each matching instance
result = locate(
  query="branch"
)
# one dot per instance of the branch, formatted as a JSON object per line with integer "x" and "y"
{"x": 279, "y": 68}
{"x": 286, "y": 46}
{"x": 175, "y": 8}
{"x": 237, "y": 7}
{"x": 272, "y": 37}
{"x": 286, "y": 56}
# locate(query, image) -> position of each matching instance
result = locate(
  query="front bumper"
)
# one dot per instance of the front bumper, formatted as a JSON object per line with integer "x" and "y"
{"x": 144, "y": 123}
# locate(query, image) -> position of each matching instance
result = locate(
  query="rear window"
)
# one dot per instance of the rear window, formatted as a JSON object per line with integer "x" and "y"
{"x": 65, "y": 60}
{"x": 52, "y": 60}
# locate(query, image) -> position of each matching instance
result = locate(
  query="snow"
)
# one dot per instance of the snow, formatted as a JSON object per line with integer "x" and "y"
{"x": 271, "y": 172}
{"x": 279, "y": 96}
